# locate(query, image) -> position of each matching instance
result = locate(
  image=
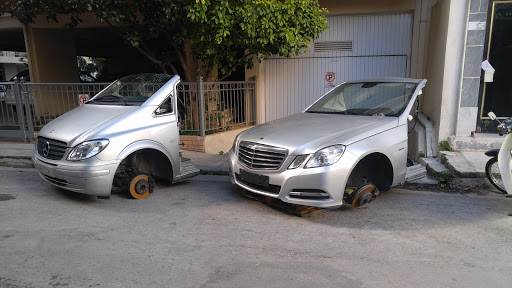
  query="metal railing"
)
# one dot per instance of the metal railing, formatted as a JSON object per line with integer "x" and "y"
{"x": 26, "y": 107}
{"x": 204, "y": 107}
{"x": 210, "y": 107}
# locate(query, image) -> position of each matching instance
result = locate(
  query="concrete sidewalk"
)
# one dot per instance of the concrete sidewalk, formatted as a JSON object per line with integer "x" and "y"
{"x": 18, "y": 155}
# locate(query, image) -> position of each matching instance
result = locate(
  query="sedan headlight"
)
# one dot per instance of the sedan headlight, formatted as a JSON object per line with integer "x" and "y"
{"x": 87, "y": 149}
{"x": 235, "y": 144}
{"x": 326, "y": 156}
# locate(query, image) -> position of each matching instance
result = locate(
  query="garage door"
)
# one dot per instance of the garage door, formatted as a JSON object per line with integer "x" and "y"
{"x": 354, "y": 47}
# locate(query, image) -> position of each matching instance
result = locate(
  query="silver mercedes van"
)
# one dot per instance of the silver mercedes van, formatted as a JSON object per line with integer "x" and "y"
{"x": 125, "y": 136}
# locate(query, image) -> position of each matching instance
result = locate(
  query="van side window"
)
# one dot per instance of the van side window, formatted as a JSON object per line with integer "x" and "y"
{"x": 165, "y": 107}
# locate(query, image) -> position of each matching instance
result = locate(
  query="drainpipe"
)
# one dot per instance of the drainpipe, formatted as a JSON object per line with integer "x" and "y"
{"x": 429, "y": 134}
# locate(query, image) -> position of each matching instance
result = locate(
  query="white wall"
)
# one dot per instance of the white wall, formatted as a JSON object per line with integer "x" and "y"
{"x": 380, "y": 48}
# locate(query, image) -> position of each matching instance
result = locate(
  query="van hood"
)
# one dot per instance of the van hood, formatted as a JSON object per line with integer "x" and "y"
{"x": 305, "y": 133}
{"x": 75, "y": 125}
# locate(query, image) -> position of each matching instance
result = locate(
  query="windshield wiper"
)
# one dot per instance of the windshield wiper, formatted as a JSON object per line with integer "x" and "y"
{"x": 329, "y": 112}
{"x": 110, "y": 99}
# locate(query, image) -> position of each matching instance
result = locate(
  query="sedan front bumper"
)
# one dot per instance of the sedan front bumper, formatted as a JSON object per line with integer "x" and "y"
{"x": 319, "y": 187}
{"x": 84, "y": 177}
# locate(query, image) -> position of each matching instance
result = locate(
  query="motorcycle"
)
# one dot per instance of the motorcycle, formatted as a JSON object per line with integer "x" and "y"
{"x": 498, "y": 168}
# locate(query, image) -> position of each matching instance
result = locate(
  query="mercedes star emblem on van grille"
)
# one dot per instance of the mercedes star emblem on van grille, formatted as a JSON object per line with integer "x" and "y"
{"x": 46, "y": 149}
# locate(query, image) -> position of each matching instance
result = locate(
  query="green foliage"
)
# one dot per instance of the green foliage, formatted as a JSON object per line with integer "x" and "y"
{"x": 223, "y": 34}
{"x": 445, "y": 176}
{"x": 221, "y": 153}
{"x": 229, "y": 33}
{"x": 444, "y": 146}
{"x": 421, "y": 154}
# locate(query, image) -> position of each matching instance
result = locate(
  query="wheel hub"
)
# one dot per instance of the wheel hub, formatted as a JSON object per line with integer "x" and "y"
{"x": 363, "y": 195}
{"x": 141, "y": 186}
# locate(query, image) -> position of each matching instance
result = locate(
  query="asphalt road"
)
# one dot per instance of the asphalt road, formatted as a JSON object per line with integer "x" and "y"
{"x": 202, "y": 233}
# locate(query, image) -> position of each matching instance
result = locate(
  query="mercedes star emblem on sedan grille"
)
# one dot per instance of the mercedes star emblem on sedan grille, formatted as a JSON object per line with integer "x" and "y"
{"x": 46, "y": 149}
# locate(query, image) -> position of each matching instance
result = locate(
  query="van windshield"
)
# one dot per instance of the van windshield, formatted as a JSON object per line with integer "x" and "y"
{"x": 131, "y": 90}
{"x": 366, "y": 98}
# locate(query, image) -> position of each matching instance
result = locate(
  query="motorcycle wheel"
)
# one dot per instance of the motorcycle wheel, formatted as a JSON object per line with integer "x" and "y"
{"x": 493, "y": 174}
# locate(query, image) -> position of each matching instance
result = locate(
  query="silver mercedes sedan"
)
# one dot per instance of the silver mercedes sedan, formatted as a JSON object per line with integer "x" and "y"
{"x": 345, "y": 148}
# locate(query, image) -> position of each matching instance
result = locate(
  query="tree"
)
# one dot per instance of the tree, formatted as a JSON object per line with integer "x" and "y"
{"x": 193, "y": 37}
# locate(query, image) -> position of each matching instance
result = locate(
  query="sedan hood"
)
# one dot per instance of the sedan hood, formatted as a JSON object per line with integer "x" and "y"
{"x": 75, "y": 125}
{"x": 305, "y": 133}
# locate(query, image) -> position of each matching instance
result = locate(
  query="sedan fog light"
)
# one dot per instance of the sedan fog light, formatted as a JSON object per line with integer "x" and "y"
{"x": 297, "y": 161}
{"x": 326, "y": 156}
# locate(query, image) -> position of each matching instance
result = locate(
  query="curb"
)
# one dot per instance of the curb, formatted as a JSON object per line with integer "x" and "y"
{"x": 26, "y": 162}
{"x": 18, "y": 162}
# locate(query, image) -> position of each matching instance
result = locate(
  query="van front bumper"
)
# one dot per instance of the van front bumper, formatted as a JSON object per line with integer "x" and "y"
{"x": 86, "y": 177}
{"x": 299, "y": 186}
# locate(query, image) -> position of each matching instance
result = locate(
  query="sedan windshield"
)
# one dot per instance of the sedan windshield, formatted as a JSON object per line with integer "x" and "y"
{"x": 131, "y": 90}
{"x": 366, "y": 98}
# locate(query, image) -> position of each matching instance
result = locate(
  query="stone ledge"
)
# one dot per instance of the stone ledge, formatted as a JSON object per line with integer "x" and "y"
{"x": 481, "y": 142}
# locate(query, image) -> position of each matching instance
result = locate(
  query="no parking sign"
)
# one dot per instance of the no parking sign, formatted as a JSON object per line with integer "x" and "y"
{"x": 330, "y": 77}
{"x": 82, "y": 98}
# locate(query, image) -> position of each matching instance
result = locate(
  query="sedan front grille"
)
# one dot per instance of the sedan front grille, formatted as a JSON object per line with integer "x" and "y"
{"x": 50, "y": 149}
{"x": 259, "y": 156}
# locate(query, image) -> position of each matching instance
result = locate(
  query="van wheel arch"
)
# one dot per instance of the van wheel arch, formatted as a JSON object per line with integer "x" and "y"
{"x": 148, "y": 161}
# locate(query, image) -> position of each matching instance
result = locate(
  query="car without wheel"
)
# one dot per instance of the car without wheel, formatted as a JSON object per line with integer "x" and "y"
{"x": 344, "y": 149}
{"x": 125, "y": 136}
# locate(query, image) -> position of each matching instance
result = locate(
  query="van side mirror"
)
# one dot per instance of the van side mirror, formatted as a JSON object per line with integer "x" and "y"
{"x": 492, "y": 115}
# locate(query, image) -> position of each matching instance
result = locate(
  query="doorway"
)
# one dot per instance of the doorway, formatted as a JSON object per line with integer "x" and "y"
{"x": 497, "y": 95}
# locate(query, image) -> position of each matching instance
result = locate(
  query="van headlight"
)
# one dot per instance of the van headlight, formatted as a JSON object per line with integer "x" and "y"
{"x": 87, "y": 149}
{"x": 326, "y": 156}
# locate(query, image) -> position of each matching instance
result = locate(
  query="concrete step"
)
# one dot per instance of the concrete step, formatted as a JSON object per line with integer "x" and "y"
{"x": 433, "y": 165}
{"x": 465, "y": 164}
{"x": 415, "y": 172}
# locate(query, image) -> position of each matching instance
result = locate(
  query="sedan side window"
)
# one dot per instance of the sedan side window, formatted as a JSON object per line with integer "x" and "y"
{"x": 165, "y": 107}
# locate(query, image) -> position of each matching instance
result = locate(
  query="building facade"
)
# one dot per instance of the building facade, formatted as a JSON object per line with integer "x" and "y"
{"x": 11, "y": 63}
{"x": 445, "y": 41}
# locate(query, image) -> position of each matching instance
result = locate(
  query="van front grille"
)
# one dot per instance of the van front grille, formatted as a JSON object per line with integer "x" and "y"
{"x": 259, "y": 156}
{"x": 50, "y": 149}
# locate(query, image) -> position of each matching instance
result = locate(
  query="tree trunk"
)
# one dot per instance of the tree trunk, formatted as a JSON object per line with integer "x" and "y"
{"x": 191, "y": 73}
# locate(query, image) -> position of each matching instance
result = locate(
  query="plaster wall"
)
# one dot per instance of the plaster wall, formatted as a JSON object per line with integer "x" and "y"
{"x": 444, "y": 69}
{"x": 51, "y": 59}
{"x": 257, "y": 74}
{"x": 432, "y": 98}
{"x": 340, "y": 7}
{"x": 51, "y": 56}
{"x": 8, "y": 22}
{"x": 215, "y": 143}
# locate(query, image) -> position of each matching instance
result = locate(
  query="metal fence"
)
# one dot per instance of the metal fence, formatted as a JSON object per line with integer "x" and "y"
{"x": 210, "y": 107}
{"x": 205, "y": 107}
{"x": 26, "y": 107}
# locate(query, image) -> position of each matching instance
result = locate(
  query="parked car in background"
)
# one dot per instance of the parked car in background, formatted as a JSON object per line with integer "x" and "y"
{"x": 345, "y": 148}
{"x": 125, "y": 136}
